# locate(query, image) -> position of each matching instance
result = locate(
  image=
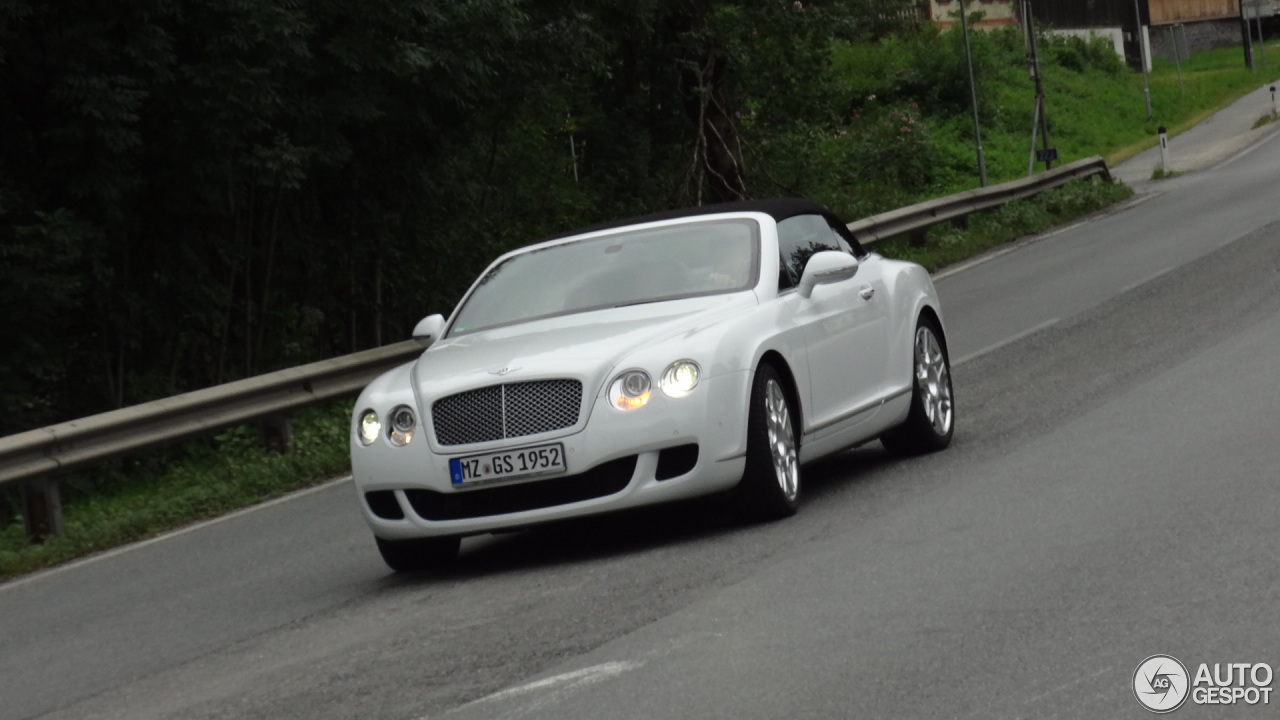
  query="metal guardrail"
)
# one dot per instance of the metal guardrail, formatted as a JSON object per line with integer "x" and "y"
{"x": 35, "y": 457}
{"x": 916, "y": 218}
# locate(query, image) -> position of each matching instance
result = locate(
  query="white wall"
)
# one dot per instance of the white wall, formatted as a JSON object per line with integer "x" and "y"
{"x": 1114, "y": 35}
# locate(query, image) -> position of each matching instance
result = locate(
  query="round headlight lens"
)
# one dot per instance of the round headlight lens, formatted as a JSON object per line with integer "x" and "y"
{"x": 680, "y": 378}
{"x": 403, "y": 423}
{"x": 630, "y": 390}
{"x": 369, "y": 427}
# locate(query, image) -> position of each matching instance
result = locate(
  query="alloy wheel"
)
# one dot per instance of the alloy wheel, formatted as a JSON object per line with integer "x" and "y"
{"x": 933, "y": 377}
{"x": 782, "y": 442}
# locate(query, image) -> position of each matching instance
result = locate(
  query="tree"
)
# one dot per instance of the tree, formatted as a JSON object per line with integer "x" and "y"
{"x": 197, "y": 190}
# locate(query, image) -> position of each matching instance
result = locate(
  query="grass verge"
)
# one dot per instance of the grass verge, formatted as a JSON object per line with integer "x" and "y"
{"x": 1210, "y": 81}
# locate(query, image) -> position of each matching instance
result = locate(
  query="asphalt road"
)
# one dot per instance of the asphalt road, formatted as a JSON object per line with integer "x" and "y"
{"x": 1110, "y": 495}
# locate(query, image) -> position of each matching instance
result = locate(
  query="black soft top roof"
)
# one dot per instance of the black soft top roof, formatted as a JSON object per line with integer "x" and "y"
{"x": 778, "y": 208}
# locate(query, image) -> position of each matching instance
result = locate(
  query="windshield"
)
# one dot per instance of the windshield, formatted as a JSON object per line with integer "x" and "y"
{"x": 665, "y": 263}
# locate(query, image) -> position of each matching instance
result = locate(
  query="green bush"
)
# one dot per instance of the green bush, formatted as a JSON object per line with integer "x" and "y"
{"x": 1080, "y": 55}
{"x": 925, "y": 66}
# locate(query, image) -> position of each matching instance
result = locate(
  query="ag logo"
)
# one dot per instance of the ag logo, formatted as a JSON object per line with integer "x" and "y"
{"x": 1161, "y": 683}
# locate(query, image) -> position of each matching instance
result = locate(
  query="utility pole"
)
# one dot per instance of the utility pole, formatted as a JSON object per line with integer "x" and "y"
{"x": 1142, "y": 55}
{"x": 973, "y": 96}
{"x": 1262, "y": 45}
{"x": 1248, "y": 39}
{"x": 1177, "y": 44}
{"x": 1041, "y": 121}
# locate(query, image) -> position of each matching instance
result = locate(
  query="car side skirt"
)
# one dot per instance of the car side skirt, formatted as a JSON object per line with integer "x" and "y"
{"x": 880, "y": 416}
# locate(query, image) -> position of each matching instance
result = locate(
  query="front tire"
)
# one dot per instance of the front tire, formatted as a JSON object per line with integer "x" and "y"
{"x": 418, "y": 554}
{"x": 931, "y": 421}
{"x": 770, "y": 487}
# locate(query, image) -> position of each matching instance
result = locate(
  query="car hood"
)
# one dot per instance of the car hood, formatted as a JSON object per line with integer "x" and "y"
{"x": 582, "y": 342}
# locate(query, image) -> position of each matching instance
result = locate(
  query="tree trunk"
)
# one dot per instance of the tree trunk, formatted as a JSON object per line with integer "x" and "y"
{"x": 717, "y": 147}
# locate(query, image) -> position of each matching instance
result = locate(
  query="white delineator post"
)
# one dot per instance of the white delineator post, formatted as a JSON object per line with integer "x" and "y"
{"x": 1164, "y": 150}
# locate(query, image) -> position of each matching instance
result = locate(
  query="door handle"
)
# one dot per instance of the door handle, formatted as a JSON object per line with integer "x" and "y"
{"x": 866, "y": 292}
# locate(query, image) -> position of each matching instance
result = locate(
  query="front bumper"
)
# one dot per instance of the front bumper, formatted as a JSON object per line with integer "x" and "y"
{"x": 669, "y": 450}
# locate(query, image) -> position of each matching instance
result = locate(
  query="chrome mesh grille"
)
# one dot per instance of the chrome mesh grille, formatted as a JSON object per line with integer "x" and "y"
{"x": 505, "y": 411}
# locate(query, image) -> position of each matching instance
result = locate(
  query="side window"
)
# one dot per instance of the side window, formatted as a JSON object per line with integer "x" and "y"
{"x": 799, "y": 238}
{"x": 786, "y": 280}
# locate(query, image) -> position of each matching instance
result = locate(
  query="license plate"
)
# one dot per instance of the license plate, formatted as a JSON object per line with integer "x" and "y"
{"x": 508, "y": 465}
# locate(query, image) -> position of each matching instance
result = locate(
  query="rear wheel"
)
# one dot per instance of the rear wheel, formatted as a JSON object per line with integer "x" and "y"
{"x": 418, "y": 554}
{"x": 771, "y": 482}
{"x": 931, "y": 421}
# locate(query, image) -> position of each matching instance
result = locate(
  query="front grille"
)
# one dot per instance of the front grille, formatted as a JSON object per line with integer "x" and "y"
{"x": 601, "y": 480}
{"x": 505, "y": 411}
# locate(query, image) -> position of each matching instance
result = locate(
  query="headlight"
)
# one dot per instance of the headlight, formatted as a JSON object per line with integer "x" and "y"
{"x": 403, "y": 424}
{"x": 630, "y": 390}
{"x": 369, "y": 427}
{"x": 680, "y": 378}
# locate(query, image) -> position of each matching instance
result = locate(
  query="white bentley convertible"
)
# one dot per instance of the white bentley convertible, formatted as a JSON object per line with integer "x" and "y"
{"x": 705, "y": 350}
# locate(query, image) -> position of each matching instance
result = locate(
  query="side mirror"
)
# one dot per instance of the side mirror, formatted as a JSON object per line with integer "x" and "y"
{"x": 828, "y": 266}
{"x": 429, "y": 329}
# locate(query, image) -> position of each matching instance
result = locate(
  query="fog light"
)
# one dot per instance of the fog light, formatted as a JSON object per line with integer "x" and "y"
{"x": 369, "y": 427}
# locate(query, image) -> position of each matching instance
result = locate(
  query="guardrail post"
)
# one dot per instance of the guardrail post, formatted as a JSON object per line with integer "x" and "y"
{"x": 42, "y": 509}
{"x": 277, "y": 433}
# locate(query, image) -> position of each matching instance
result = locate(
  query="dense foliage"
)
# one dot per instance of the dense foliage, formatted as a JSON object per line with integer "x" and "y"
{"x": 197, "y": 190}
{"x": 193, "y": 191}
